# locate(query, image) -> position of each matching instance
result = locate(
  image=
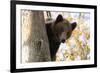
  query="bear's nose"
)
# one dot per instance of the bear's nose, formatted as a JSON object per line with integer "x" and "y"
{"x": 63, "y": 40}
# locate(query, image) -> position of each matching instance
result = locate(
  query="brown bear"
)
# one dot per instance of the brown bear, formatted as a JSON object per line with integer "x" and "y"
{"x": 57, "y": 32}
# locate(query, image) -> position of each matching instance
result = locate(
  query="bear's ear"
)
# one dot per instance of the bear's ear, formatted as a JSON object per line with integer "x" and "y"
{"x": 74, "y": 24}
{"x": 59, "y": 18}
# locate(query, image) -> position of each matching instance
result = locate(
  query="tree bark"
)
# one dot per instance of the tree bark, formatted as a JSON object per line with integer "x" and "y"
{"x": 35, "y": 46}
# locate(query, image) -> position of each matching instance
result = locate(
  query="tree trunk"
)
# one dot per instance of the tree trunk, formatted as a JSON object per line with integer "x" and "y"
{"x": 35, "y": 46}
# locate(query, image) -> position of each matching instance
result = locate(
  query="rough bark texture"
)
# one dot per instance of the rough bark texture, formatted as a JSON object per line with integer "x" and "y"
{"x": 35, "y": 46}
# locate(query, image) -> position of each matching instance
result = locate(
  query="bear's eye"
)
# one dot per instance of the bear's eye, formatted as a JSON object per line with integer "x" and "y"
{"x": 62, "y": 29}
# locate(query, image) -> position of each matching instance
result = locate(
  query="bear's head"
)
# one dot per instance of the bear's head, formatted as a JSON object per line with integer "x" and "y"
{"x": 62, "y": 28}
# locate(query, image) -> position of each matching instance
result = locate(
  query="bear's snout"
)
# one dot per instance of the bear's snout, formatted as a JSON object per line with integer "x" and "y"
{"x": 63, "y": 37}
{"x": 63, "y": 40}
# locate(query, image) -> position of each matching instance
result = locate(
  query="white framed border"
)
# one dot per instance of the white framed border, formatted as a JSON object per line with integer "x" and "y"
{"x": 51, "y": 64}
